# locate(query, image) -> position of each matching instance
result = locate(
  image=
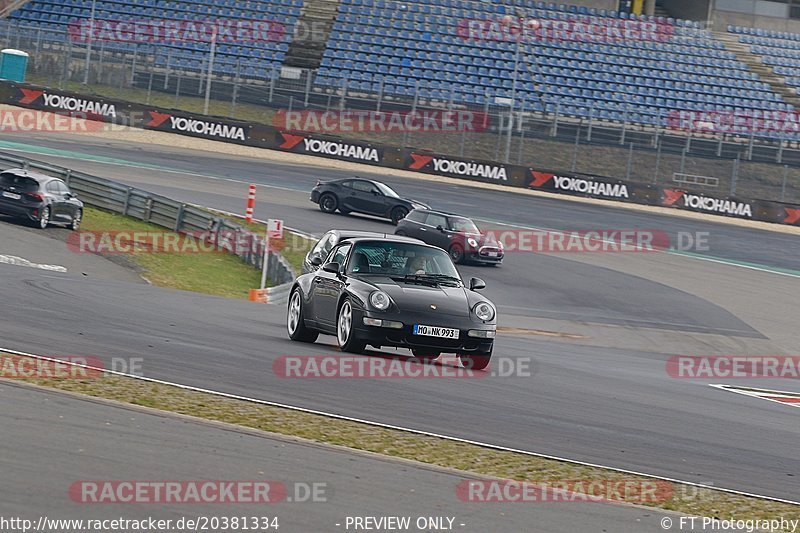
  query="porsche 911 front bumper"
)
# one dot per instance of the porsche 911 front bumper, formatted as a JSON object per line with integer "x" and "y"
{"x": 474, "y": 336}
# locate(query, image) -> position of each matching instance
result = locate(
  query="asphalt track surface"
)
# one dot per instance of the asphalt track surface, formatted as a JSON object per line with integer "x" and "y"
{"x": 52, "y": 440}
{"x": 603, "y": 397}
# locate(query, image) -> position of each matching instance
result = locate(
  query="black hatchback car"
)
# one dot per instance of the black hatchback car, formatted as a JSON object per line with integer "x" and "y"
{"x": 357, "y": 195}
{"x": 39, "y": 199}
{"x": 458, "y": 235}
{"x": 392, "y": 292}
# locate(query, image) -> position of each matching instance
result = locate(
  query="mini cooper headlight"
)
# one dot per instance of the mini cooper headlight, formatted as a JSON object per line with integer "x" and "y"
{"x": 483, "y": 311}
{"x": 472, "y": 242}
{"x": 380, "y": 300}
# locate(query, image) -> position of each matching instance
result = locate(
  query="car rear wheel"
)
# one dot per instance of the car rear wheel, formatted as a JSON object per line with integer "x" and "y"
{"x": 398, "y": 214}
{"x": 345, "y": 332}
{"x": 456, "y": 253}
{"x": 328, "y": 203}
{"x": 475, "y": 361}
{"x": 295, "y": 323}
{"x": 426, "y": 356}
{"x": 76, "y": 220}
{"x": 44, "y": 218}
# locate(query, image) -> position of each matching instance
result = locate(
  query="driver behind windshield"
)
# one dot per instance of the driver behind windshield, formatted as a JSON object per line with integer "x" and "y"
{"x": 417, "y": 265}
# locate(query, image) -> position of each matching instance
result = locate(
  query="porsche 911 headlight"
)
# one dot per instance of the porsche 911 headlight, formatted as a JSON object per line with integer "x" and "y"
{"x": 380, "y": 300}
{"x": 483, "y": 311}
{"x": 472, "y": 242}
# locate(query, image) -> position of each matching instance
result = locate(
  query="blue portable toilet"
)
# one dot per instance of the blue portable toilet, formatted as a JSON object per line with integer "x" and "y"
{"x": 13, "y": 64}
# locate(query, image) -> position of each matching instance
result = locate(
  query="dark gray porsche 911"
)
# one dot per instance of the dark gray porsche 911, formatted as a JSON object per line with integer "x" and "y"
{"x": 392, "y": 292}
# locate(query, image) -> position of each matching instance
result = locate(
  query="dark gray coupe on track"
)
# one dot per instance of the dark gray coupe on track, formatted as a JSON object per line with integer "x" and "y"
{"x": 393, "y": 292}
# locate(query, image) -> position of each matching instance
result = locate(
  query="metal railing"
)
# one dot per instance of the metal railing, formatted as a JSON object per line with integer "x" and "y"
{"x": 165, "y": 212}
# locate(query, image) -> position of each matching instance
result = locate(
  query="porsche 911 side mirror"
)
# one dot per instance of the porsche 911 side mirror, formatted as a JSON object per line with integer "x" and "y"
{"x": 440, "y": 228}
{"x": 333, "y": 268}
{"x": 316, "y": 260}
{"x": 476, "y": 284}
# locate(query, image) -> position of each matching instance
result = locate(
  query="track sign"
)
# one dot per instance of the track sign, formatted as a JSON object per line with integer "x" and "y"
{"x": 275, "y": 228}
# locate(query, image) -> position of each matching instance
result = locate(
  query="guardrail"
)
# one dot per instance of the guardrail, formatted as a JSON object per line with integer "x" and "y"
{"x": 165, "y": 212}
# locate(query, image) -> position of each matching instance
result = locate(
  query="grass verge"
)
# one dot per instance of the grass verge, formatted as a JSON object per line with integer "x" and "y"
{"x": 218, "y": 274}
{"x": 395, "y": 443}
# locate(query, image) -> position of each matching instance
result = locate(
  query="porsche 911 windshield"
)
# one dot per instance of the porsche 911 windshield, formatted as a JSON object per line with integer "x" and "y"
{"x": 401, "y": 259}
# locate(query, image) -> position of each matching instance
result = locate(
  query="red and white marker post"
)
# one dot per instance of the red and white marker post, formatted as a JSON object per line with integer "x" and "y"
{"x": 251, "y": 203}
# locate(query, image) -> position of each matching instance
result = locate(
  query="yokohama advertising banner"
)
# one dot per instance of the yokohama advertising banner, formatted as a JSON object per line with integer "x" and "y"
{"x": 486, "y": 171}
{"x": 703, "y": 203}
{"x": 580, "y": 185}
{"x": 212, "y": 128}
{"x": 345, "y": 150}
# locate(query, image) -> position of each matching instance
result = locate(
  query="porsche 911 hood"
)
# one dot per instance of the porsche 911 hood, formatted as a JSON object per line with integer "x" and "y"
{"x": 420, "y": 298}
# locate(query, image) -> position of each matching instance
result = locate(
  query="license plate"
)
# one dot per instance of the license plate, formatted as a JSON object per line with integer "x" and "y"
{"x": 12, "y": 195}
{"x": 435, "y": 331}
{"x": 492, "y": 254}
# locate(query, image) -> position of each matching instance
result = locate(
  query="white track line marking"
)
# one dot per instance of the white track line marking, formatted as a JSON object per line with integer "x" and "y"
{"x": 762, "y": 394}
{"x": 19, "y": 261}
{"x": 400, "y": 428}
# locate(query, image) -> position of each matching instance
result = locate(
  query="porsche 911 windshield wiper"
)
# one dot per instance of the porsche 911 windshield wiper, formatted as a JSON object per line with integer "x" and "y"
{"x": 431, "y": 278}
{"x": 441, "y": 276}
{"x": 416, "y": 278}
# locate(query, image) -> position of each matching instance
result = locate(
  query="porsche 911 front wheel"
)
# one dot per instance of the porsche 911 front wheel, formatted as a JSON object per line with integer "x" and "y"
{"x": 295, "y": 323}
{"x": 345, "y": 330}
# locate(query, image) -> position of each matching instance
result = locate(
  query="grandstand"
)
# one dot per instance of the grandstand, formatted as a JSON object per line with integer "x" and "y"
{"x": 248, "y": 58}
{"x": 415, "y": 45}
{"x": 779, "y": 50}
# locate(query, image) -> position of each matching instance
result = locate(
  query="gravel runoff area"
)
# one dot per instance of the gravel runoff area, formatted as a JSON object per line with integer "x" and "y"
{"x": 136, "y": 135}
